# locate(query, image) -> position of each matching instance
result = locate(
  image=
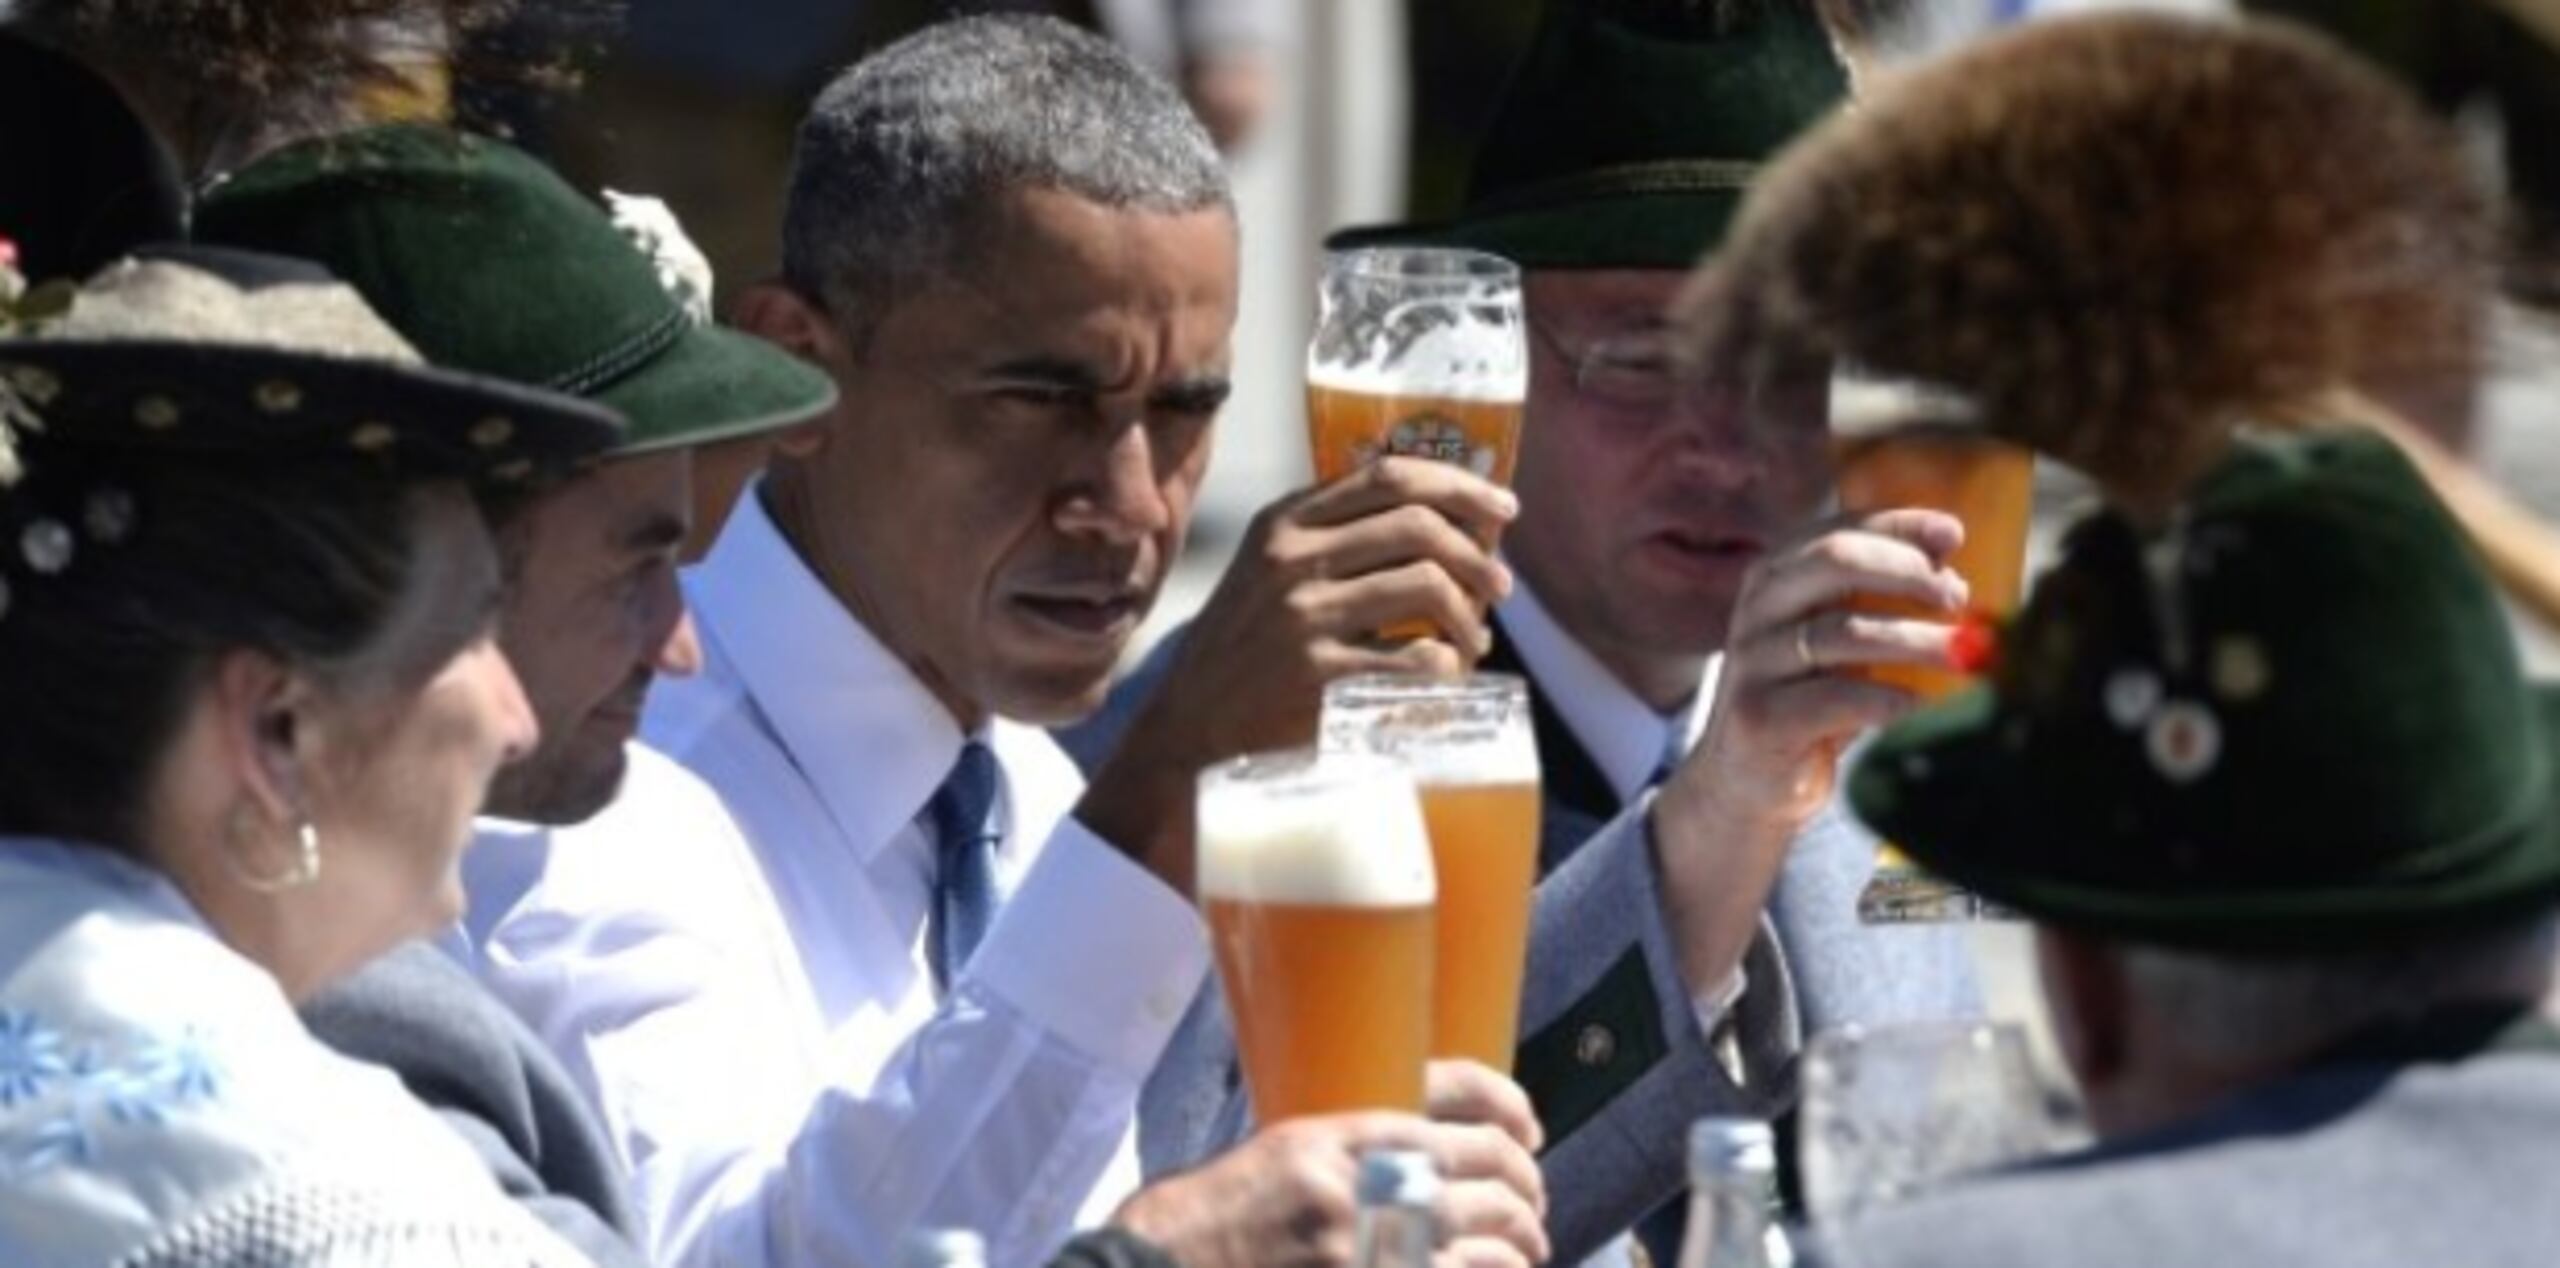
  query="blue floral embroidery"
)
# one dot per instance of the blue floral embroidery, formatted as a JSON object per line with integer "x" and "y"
{"x": 30, "y": 1057}
{"x": 131, "y": 1099}
{"x": 67, "y": 1099}
{"x": 53, "y": 1142}
{"x": 182, "y": 1069}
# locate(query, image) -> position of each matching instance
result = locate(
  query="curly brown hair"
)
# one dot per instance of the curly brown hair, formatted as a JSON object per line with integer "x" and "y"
{"x": 2120, "y": 237}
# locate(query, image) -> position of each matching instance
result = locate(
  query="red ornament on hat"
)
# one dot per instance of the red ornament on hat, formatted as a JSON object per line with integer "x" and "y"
{"x": 1974, "y": 648}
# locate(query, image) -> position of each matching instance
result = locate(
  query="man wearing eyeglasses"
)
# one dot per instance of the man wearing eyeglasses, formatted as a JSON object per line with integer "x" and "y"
{"x": 1674, "y": 612}
{"x": 1676, "y": 582}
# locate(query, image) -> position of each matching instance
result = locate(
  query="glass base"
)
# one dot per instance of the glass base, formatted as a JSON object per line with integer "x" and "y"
{"x": 1900, "y": 894}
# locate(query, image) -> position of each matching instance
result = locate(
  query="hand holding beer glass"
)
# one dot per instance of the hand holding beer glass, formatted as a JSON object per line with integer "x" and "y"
{"x": 1315, "y": 872}
{"x": 1468, "y": 746}
{"x": 1421, "y": 352}
{"x": 1894, "y": 449}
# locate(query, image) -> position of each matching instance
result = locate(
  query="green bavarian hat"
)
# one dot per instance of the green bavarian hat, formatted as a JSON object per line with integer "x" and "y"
{"x": 489, "y": 262}
{"x": 1630, "y": 130}
{"x": 187, "y": 350}
{"x": 2294, "y": 721}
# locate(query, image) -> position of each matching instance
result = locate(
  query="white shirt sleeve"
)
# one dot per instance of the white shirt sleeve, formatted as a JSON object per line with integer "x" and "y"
{"x": 999, "y": 1113}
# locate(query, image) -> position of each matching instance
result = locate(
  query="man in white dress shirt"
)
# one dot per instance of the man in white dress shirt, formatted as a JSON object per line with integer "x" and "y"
{"x": 878, "y": 959}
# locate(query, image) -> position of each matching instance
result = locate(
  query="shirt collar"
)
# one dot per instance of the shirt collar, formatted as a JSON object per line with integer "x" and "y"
{"x": 97, "y": 865}
{"x": 1626, "y": 739}
{"x": 868, "y": 737}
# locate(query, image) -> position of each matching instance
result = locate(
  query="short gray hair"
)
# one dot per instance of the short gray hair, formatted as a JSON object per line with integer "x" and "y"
{"x": 2241, "y": 1009}
{"x": 901, "y": 152}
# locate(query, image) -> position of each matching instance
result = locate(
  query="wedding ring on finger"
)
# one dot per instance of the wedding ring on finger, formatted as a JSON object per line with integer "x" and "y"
{"x": 1804, "y": 647}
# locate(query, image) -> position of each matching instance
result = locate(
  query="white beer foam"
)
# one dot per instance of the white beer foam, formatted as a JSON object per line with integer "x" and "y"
{"x": 1510, "y": 758}
{"x": 1449, "y": 755}
{"x": 1463, "y": 363}
{"x": 1355, "y": 843}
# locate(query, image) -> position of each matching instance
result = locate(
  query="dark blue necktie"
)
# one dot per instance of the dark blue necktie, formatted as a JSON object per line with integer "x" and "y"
{"x": 964, "y": 846}
{"x": 1675, "y": 750}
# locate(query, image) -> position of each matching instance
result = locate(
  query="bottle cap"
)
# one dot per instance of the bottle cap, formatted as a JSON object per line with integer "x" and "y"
{"x": 1731, "y": 1146}
{"x": 1398, "y": 1177}
{"x": 943, "y": 1248}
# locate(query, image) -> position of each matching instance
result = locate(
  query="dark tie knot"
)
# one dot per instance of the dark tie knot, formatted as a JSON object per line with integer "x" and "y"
{"x": 964, "y": 806}
{"x": 964, "y": 894}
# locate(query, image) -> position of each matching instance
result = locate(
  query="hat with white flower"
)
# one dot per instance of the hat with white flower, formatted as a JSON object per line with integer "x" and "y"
{"x": 488, "y": 261}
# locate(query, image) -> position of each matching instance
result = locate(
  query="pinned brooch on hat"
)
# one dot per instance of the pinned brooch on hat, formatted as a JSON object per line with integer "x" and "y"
{"x": 22, "y": 309}
{"x": 45, "y": 545}
{"x": 682, "y": 267}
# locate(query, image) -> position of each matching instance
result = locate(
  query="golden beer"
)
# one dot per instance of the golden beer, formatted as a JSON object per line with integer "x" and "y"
{"x": 1988, "y": 484}
{"x": 1420, "y": 352}
{"x": 1468, "y": 745}
{"x": 1316, "y": 877}
{"x": 1484, "y": 854}
{"x": 1348, "y": 428}
{"x": 1327, "y": 1003}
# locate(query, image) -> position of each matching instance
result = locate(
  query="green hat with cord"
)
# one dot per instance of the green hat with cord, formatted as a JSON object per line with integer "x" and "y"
{"x": 1631, "y": 129}
{"x": 488, "y": 261}
{"x": 2292, "y": 720}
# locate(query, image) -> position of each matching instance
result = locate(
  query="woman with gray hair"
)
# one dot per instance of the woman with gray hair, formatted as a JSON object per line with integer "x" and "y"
{"x": 252, "y": 703}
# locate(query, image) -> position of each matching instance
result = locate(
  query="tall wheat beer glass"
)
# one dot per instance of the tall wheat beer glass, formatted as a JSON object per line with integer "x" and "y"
{"x": 1421, "y": 351}
{"x": 1472, "y": 755}
{"x": 1905, "y": 449}
{"x": 1316, "y": 874}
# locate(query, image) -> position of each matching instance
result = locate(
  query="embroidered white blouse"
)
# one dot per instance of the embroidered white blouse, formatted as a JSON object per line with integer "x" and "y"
{"x": 160, "y": 1104}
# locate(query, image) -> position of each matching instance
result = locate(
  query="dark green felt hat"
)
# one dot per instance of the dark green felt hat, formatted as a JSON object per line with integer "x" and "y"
{"x": 2292, "y": 722}
{"x": 487, "y": 261}
{"x": 1630, "y": 131}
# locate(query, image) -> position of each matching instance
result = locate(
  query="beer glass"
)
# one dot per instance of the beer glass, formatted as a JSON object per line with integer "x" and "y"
{"x": 1988, "y": 484}
{"x": 1893, "y": 1111}
{"x": 1895, "y": 447}
{"x": 1468, "y": 746}
{"x": 1316, "y": 875}
{"x": 1420, "y": 351}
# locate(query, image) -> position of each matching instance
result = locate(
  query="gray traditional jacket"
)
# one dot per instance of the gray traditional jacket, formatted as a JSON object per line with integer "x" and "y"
{"x": 2435, "y": 1145}
{"x": 1611, "y": 1050}
{"x": 457, "y": 1049}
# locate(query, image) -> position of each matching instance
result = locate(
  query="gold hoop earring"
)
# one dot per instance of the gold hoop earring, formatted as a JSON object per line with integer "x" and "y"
{"x": 304, "y": 869}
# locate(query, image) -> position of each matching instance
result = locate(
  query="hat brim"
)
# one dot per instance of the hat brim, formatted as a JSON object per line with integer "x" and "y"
{"x": 1941, "y": 785}
{"x": 1665, "y": 230}
{"x": 712, "y": 385}
{"x": 207, "y": 398}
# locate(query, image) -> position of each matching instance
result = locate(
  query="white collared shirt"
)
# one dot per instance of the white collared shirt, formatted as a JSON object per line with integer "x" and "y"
{"x": 1623, "y": 735}
{"x": 732, "y": 956}
{"x": 1626, "y": 739}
